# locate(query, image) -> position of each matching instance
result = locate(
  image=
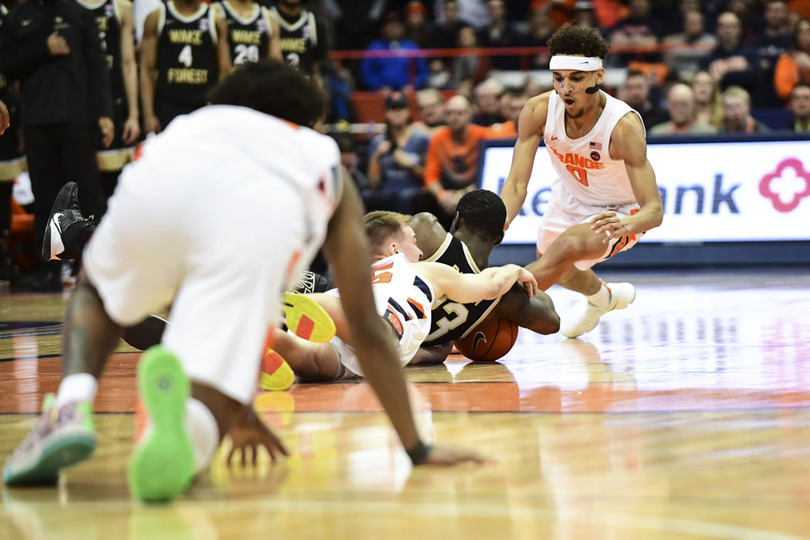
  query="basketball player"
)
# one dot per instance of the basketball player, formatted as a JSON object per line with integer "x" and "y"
{"x": 116, "y": 27}
{"x": 184, "y": 53}
{"x": 605, "y": 197}
{"x": 253, "y": 31}
{"x": 476, "y": 229}
{"x": 246, "y": 198}
{"x": 303, "y": 40}
{"x": 404, "y": 291}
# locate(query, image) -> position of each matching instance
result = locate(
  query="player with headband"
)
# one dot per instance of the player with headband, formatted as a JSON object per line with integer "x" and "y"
{"x": 605, "y": 196}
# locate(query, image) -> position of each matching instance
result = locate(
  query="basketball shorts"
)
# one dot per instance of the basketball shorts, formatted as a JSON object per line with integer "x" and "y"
{"x": 564, "y": 211}
{"x": 218, "y": 247}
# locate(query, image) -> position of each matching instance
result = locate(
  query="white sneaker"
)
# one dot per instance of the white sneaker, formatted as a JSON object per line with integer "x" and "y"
{"x": 584, "y": 316}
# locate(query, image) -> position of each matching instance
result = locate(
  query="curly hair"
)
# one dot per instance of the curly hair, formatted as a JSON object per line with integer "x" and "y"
{"x": 577, "y": 40}
{"x": 484, "y": 214}
{"x": 274, "y": 88}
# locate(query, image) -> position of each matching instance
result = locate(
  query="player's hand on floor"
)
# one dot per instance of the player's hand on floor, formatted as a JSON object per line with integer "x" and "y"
{"x": 248, "y": 435}
{"x": 445, "y": 456}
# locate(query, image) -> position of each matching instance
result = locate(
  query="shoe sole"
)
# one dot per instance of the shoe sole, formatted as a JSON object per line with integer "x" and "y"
{"x": 162, "y": 464}
{"x": 280, "y": 379}
{"x": 307, "y": 319}
{"x": 65, "y": 450}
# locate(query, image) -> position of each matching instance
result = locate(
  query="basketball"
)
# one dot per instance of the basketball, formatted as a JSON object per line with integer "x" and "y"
{"x": 488, "y": 341}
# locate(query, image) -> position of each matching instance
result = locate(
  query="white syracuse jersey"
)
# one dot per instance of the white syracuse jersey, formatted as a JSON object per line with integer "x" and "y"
{"x": 584, "y": 165}
{"x": 224, "y": 137}
{"x": 404, "y": 299}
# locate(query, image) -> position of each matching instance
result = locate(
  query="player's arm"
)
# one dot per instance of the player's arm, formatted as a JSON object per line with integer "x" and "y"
{"x": 530, "y": 132}
{"x": 536, "y": 313}
{"x": 430, "y": 234}
{"x": 149, "y": 74}
{"x": 465, "y": 288}
{"x": 432, "y": 354}
{"x": 347, "y": 249}
{"x": 223, "y": 47}
{"x": 129, "y": 68}
{"x": 274, "y": 50}
{"x": 628, "y": 143}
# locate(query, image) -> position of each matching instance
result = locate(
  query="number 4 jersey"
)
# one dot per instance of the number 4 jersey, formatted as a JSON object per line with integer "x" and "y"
{"x": 583, "y": 165}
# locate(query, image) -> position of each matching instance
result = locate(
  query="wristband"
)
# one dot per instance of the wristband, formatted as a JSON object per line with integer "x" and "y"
{"x": 419, "y": 453}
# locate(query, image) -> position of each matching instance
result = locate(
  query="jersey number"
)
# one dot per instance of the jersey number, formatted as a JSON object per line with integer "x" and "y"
{"x": 185, "y": 57}
{"x": 459, "y": 315}
{"x": 579, "y": 173}
{"x": 245, "y": 53}
{"x": 380, "y": 275}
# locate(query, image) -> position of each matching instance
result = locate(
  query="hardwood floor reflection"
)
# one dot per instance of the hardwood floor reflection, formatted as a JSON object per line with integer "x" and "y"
{"x": 686, "y": 415}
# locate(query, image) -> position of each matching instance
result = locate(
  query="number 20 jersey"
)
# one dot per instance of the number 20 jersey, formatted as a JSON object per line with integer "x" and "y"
{"x": 583, "y": 165}
{"x": 452, "y": 320}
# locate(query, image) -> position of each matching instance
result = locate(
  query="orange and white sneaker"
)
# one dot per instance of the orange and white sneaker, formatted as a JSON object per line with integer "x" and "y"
{"x": 276, "y": 372}
{"x": 584, "y": 316}
{"x": 307, "y": 319}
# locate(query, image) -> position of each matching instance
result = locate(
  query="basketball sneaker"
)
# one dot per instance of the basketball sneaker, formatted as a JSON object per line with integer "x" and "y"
{"x": 62, "y": 437}
{"x": 162, "y": 464}
{"x": 312, "y": 282}
{"x": 276, "y": 372}
{"x": 307, "y": 319}
{"x": 61, "y": 241}
{"x": 584, "y": 316}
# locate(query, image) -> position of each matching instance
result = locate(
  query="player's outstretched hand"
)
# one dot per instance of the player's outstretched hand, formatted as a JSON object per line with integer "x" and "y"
{"x": 608, "y": 225}
{"x": 528, "y": 281}
{"x": 444, "y": 456}
{"x": 251, "y": 433}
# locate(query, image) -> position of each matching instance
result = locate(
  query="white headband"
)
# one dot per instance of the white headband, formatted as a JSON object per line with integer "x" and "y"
{"x": 577, "y": 63}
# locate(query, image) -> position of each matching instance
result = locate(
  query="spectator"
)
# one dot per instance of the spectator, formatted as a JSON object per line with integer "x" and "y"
{"x": 689, "y": 46}
{"x": 636, "y": 92}
{"x": 737, "y": 112}
{"x": 639, "y": 29}
{"x": 397, "y": 161}
{"x": 707, "y": 99}
{"x": 675, "y": 23}
{"x": 682, "y": 113}
{"x": 731, "y": 62}
{"x": 53, "y": 49}
{"x": 417, "y": 29}
{"x": 430, "y": 104}
{"x": 445, "y": 31}
{"x": 540, "y": 30}
{"x": 793, "y": 66}
{"x": 474, "y": 12}
{"x": 469, "y": 69}
{"x": 499, "y": 33}
{"x": 452, "y": 160}
{"x": 771, "y": 44}
{"x": 349, "y": 160}
{"x": 178, "y": 67}
{"x": 303, "y": 38}
{"x": 356, "y": 23}
{"x": 751, "y": 20}
{"x": 393, "y": 73}
{"x": 512, "y": 103}
{"x": 487, "y": 103}
{"x": 800, "y": 105}
{"x": 585, "y": 16}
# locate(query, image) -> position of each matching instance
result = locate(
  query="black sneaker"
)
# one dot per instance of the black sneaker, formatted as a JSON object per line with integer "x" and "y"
{"x": 57, "y": 246}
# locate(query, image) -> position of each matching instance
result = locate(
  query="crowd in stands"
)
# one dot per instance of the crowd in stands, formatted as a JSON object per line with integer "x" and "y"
{"x": 444, "y": 74}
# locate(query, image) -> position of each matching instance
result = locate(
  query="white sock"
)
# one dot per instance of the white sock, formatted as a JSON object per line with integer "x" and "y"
{"x": 601, "y": 298}
{"x": 202, "y": 426}
{"x": 76, "y": 387}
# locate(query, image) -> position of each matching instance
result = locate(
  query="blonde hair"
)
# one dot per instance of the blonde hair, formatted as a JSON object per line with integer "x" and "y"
{"x": 715, "y": 105}
{"x": 382, "y": 225}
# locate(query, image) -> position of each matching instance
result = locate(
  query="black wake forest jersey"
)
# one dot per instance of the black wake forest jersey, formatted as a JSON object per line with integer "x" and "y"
{"x": 301, "y": 44}
{"x": 451, "y": 320}
{"x": 108, "y": 21}
{"x": 248, "y": 38}
{"x": 187, "y": 57}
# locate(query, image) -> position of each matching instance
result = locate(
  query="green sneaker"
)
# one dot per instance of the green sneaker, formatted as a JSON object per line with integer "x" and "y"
{"x": 62, "y": 437}
{"x": 162, "y": 464}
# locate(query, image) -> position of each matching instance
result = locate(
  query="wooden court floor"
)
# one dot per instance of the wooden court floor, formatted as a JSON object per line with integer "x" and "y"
{"x": 685, "y": 416}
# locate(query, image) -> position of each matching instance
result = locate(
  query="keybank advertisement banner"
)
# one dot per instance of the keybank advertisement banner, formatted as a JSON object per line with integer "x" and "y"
{"x": 712, "y": 192}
